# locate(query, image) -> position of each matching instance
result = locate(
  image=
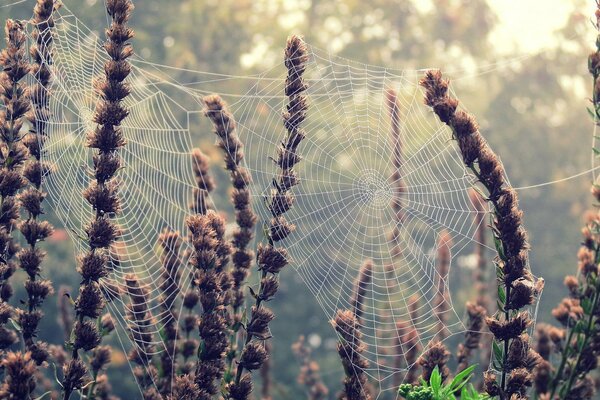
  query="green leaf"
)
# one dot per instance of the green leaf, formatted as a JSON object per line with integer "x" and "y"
{"x": 501, "y": 294}
{"x": 461, "y": 379}
{"x": 586, "y": 304}
{"x": 435, "y": 381}
{"x": 499, "y": 247}
{"x": 252, "y": 292}
{"x": 15, "y": 325}
{"x": 498, "y": 353}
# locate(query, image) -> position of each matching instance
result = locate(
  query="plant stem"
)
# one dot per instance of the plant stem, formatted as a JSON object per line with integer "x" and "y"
{"x": 258, "y": 301}
{"x": 563, "y": 362}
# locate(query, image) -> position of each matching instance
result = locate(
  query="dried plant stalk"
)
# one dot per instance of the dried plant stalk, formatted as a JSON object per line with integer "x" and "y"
{"x": 102, "y": 192}
{"x": 361, "y": 287}
{"x": 206, "y": 238}
{"x": 14, "y": 96}
{"x": 441, "y": 300}
{"x": 517, "y": 288}
{"x": 476, "y": 318}
{"x": 233, "y": 150}
{"x": 350, "y": 349}
{"x": 33, "y": 229}
{"x": 272, "y": 258}
{"x": 396, "y": 179}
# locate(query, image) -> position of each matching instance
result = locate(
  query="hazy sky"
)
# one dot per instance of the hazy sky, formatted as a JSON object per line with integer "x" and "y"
{"x": 528, "y": 24}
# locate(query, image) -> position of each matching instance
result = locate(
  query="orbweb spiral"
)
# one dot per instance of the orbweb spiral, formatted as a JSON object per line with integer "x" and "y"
{"x": 380, "y": 181}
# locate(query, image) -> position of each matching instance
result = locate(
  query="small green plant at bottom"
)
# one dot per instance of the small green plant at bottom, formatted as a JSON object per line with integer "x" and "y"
{"x": 459, "y": 387}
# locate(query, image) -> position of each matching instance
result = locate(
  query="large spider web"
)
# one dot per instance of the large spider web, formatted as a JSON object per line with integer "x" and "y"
{"x": 343, "y": 210}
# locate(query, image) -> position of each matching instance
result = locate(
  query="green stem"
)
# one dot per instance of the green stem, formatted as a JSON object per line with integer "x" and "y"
{"x": 588, "y": 329}
{"x": 92, "y": 387}
{"x": 563, "y": 362}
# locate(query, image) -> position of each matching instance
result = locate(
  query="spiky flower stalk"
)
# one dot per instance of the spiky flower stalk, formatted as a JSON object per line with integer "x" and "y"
{"x": 414, "y": 344}
{"x": 233, "y": 150}
{"x": 200, "y": 204}
{"x": 441, "y": 301}
{"x": 396, "y": 179}
{"x": 31, "y": 199}
{"x": 309, "y": 375}
{"x": 350, "y": 349}
{"x": 272, "y": 258}
{"x": 170, "y": 243}
{"x": 407, "y": 347}
{"x": 206, "y": 238}
{"x": 516, "y": 288}
{"x": 141, "y": 322}
{"x": 204, "y": 183}
{"x": 14, "y": 96}
{"x": 102, "y": 193}
{"x": 476, "y": 317}
{"x": 365, "y": 275}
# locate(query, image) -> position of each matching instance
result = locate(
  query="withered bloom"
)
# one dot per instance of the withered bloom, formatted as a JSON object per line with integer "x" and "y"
{"x": 271, "y": 257}
{"x": 184, "y": 388}
{"x": 475, "y": 324}
{"x": 19, "y": 380}
{"x": 517, "y": 286}
{"x": 100, "y": 359}
{"x": 309, "y": 375}
{"x": 14, "y": 96}
{"x": 75, "y": 376}
{"x": 102, "y": 194}
{"x": 215, "y": 319}
{"x": 350, "y": 349}
{"x": 436, "y": 355}
{"x": 361, "y": 284}
{"x": 233, "y": 149}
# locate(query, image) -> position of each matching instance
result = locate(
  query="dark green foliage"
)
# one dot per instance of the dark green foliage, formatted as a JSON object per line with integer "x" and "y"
{"x": 459, "y": 387}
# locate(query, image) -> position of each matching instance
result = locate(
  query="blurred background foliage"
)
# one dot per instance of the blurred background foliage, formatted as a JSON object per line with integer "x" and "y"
{"x": 532, "y": 108}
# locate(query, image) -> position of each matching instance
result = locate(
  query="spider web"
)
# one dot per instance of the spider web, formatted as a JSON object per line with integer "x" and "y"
{"x": 343, "y": 209}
